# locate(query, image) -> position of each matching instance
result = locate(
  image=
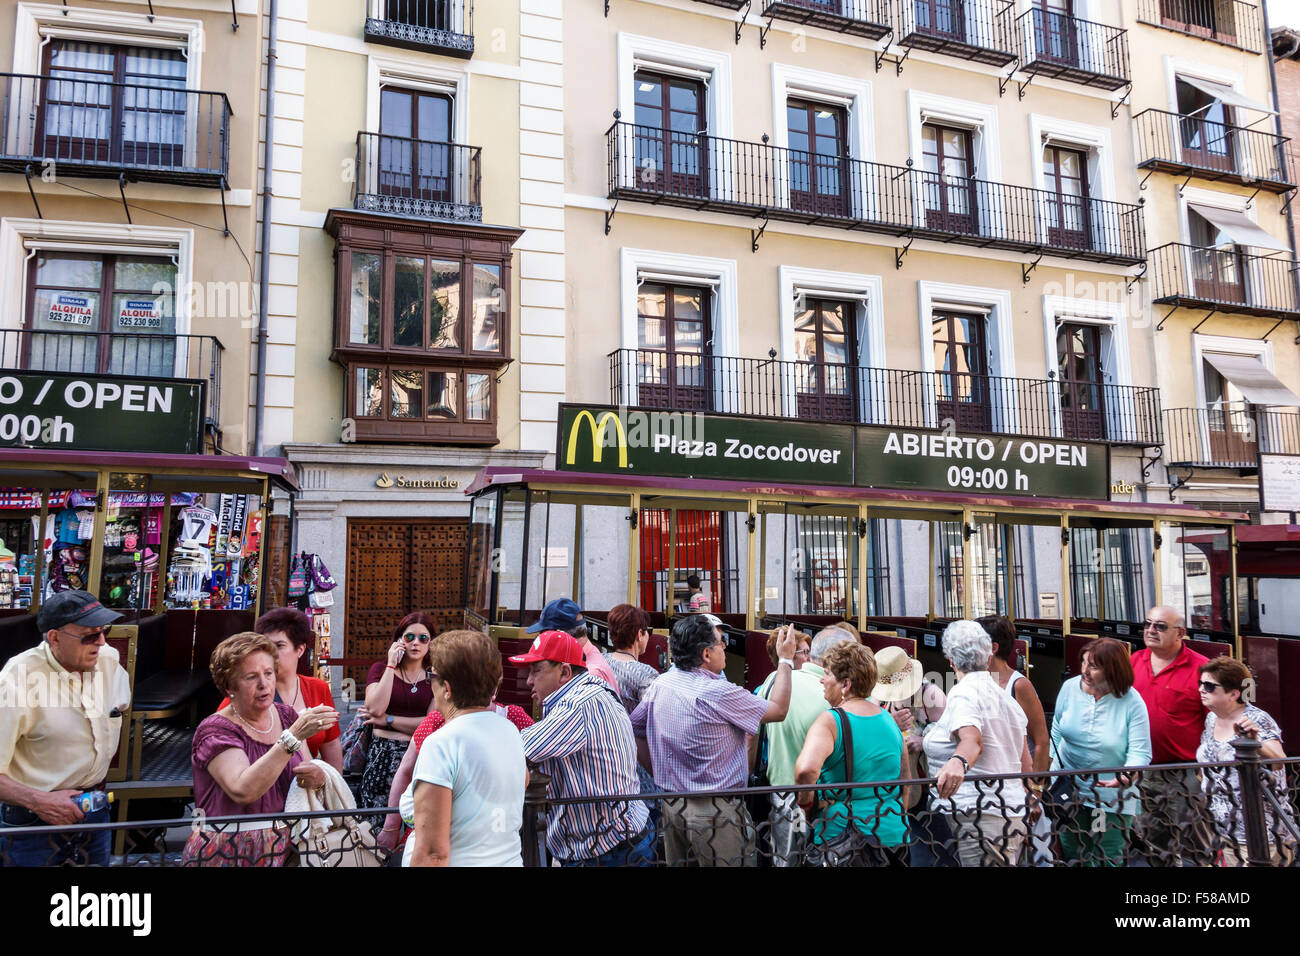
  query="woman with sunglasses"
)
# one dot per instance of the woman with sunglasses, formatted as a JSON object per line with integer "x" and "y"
{"x": 1225, "y": 684}
{"x": 399, "y": 695}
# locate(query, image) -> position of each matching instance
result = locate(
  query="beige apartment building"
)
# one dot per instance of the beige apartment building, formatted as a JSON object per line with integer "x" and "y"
{"x": 1217, "y": 176}
{"x": 903, "y": 212}
{"x": 414, "y": 255}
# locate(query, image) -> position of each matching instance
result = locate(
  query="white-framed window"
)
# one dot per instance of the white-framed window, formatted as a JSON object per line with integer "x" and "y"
{"x": 385, "y": 71}
{"x": 1213, "y": 388}
{"x": 967, "y": 350}
{"x": 1086, "y": 352}
{"x": 678, "y": 313}
{"x": 822, "y": 122}
{"x": 1208, "y": 100}
{"x": 130, "y": 284}
{"x": 1073, "y": 163}
{"x": 674, "y": 104}
{"x": 954, "y": 144}
{"x": 833, "y": 341}
{"x": 1226, "y": 250}
{"x": 1235, "y": 384}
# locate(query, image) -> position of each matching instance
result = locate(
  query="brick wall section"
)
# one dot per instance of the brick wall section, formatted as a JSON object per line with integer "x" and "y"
{"x": 1288, "y": 97}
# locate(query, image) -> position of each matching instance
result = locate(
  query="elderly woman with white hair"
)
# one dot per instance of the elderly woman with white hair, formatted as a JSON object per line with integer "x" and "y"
{"x": 982, "y": 730}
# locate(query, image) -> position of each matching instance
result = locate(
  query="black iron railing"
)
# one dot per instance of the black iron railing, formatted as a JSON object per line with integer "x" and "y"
{"x": 709, "y": 172}
{"x": 143, "y": 355}
{"x": 1054, "y": 44}
{"x": 440, "y": 26}
{"x": 1230, "y": 434}
{"x": 414, "y": 177}
{"x": 1234, "y": 22}
{"x": 1226, "y": 279}
{"x": 980, "y": 30}
{"x": 94, "y": 128}
{"x": 864, "y": 18}
{"x": 1041, "y": 408}
{"x": 1189, "y": 144}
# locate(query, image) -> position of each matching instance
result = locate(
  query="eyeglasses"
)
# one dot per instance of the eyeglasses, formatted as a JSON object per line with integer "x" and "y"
{"x": 422, "y": 638}
{"x": 1158, "y": 626}
{"x": 1209, "y": 685}
{"x": 90, "y": 638}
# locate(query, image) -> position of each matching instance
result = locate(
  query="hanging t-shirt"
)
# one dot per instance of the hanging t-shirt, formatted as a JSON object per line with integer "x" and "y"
{"x": 196, "y": 524}
{"x": 66, "y": 524}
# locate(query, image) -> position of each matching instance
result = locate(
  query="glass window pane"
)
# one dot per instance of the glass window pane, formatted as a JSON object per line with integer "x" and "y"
{"x": 407, "y": 392}
{"x": 442, "y": 395}
{"x": 408, "y": 302}
{"x": 444, "y": 307}
{"x": 489, "y": 302}
{"x": 143, "y": 275}
{"x": 688, "y": 305}
{"x": 478, "y": 397}
{"x": 652, "y": 300}
{"x": 66, "y": 310}
{"x": 367, "y": 276}
{"x": 651, "y": 333}
{"x": 370, "y": 393}
{"x": 71, "y": 272}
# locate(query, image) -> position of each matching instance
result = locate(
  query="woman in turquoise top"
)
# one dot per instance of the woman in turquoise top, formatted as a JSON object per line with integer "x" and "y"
{"x": 1100, "y": 721}
{"x": 878, "y": 754}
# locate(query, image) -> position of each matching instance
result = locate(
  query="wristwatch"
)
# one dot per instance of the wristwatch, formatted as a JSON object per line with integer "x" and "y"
{"x": 388, "y": 721}
{"x": 964, "y": 762}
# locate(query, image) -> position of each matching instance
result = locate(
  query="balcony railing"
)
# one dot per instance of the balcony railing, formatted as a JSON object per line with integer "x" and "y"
{"x": 418, "y": 178}
{"x": 768, "y": 388}
{"x": 1230, "y": 435}
{"x": 1223, "y": 279}
{"x": 708, "y": 172}
{"x": 1233, "y": 22}
{"x": 1179, "y": 144}
{"x": 93, "y": 128}
{"x": 1054, "y": 44}
{"x": 139, "y": 355}
{"x": 438, "y": 26}
{"x": 979, "y": 30}
{"x": 863, "y": 18}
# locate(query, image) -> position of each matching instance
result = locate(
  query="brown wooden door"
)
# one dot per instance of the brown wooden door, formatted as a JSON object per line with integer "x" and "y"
{"x": 826, "y": 353}
{"x": 671, "y": 155}
{"x": 819, "y": 157}
{"x": 1066, "y": 176}
{"x": 961, "y": 381}
{"x": 399, "y": 565}
{"x": 1078, "y": 354}
{"x": 675, "y": 341}
{"x": 947, "y": 179}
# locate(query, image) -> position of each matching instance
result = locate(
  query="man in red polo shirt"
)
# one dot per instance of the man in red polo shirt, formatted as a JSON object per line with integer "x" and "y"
{"x": 1166, "y": 674}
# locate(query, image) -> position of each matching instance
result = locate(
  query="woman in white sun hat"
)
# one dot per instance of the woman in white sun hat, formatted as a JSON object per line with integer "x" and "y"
{"x": 915, "y": 704}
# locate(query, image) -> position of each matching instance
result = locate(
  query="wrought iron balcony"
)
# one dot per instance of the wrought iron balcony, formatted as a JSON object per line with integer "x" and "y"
{"x": 697, "y": 171}
{"x": 145, "y": 355}
{"x": 1185, "y": 145}
{"x": 864, "y": 18}
{"x": 979, "y": 30}
{"x": 92, "y": 128}
{"x": 417, "y": 178}
{"x": 1060, "y": 46}
{"x": 1224, "y": 280}
{"x": 435, "y": 26}
{"x": 809, "y": 391}
{"x": 1230, "y": 435}
{"x": 1233, "y": 22}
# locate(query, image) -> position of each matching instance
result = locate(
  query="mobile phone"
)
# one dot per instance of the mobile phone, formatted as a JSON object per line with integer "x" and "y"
{"x": 401, "y": 652}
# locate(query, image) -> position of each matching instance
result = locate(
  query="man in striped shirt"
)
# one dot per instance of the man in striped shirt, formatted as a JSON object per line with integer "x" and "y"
{"x": 584, "y": 743}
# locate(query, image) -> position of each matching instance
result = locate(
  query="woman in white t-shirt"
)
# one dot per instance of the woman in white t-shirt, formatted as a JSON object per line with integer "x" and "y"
{"x": 467, "y": 793}
{"x": 982, "y": 730}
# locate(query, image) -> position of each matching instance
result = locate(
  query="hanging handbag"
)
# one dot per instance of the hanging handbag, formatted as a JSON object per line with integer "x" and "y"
{"x": 852, "y": 847}
{"x": 321, "y": 578}
{"x": 319, "y": 599}
{"x": 297, "y": 578}
{"x": 355, "y": 744}
{"x": 331, "y": 841}
{"x": 760, "y": 804}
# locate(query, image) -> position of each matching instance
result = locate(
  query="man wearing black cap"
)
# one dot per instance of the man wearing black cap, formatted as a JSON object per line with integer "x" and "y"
{"x": 60, "y": 722}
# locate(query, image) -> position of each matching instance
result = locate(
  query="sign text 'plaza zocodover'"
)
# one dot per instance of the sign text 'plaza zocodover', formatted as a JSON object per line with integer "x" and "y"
{"x": 635, "y": 442}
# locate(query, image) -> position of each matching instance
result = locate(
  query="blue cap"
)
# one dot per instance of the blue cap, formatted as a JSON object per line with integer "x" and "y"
{"x": 560, "y": 615}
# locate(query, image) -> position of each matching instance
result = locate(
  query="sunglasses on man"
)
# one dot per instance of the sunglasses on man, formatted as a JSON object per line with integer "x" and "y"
{"x": 87, "y": 639}
{"x": 1158, "y": 626}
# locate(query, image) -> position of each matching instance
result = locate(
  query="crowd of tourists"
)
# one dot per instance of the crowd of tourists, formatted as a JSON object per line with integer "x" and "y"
{"x": 884, "y": 768}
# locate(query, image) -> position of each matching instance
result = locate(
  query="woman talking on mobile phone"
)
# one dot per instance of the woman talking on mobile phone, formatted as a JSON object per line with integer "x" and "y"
{"x": 399, "y": 695}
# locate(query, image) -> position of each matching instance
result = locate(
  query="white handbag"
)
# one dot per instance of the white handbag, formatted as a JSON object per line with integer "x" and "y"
{"x": 331, "y": 841}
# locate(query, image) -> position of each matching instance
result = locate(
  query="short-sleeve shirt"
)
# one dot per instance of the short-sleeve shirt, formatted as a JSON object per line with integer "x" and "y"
{"x": 633, "y": 678}
{"x": 699, "y": 603}
{"x": 314, "y": 692}
{"x": 978, "y": 701}
{"x": 404, "y": 700}
{"x": 1173, "y": 702}
{"x": 1223, "y": 785}
{"x": 695, "y": 723}
{"x": 218, "y": 734}
{"x": 596, "y": 664}
{"x": 480, "y": 759}
{"x": 785, "y": 739}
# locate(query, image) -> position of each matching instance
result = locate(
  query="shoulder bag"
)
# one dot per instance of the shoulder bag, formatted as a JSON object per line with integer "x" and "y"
{"x": 852, "y": 847}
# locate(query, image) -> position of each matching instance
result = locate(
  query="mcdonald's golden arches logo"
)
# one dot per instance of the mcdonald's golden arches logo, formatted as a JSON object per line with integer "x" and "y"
{"x": 598, "y": 436}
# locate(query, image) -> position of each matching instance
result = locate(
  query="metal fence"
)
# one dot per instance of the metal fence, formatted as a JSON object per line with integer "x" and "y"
{"x": 1234, "y": 22}
{"x": 699, "y": 171}
{"x": 1230, "y": 434}
{"x": 980, "y": 30}
{"x": 415, "y": 177}
{"x": 443, "y": 25}
{"x": 98, "y": 128}
{"x": 1178, "y": 143}
{"x": 1055, "y": 44}
{"x": 1229, "y": 279}
{"x": 1232, "y": 814}
{"x": 143, "y": 355}
{"x": 864, "y": 18}
{"x": 811, "y": 391}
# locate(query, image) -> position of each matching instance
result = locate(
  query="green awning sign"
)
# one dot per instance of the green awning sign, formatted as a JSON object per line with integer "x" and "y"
{"x": 609, "y": 440}
{"x": 100, "y": 412}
